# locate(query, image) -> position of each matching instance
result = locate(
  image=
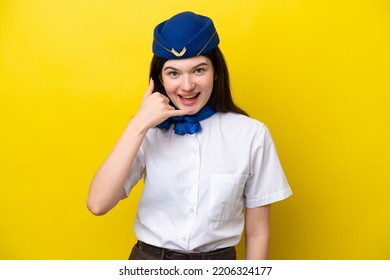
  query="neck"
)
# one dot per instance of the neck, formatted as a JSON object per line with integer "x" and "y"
{"x": 188, "y": 124}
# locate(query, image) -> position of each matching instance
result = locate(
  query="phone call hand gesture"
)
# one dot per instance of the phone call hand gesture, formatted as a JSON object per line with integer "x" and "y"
{"x": 155, "y": 109}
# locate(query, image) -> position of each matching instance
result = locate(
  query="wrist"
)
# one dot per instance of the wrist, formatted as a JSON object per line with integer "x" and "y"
{"x": 137, "y": 126}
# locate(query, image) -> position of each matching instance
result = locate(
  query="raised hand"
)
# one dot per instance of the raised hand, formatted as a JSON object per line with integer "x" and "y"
{"x": 155, "y": 109}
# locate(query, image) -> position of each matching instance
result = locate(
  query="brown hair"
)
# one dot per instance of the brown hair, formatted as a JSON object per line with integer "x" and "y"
{"x": 221, "y": 97}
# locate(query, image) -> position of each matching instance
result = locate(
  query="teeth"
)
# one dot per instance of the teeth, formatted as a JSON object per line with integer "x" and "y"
{"x": 189, "y": 97}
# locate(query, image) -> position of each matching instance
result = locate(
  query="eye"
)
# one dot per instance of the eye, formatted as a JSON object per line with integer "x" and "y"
{"x": 199, "y": 70}
{"x": 173, "y": 73}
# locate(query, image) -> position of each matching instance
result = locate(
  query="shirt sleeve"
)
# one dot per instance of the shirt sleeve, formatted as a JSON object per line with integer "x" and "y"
{"x": 267, "y": 182}
{"x": 136, "y": 172}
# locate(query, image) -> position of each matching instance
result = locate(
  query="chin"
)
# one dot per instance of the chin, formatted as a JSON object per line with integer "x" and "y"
{"x": 194, "y": 109}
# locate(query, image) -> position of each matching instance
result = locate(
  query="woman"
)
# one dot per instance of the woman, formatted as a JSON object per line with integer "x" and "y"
{"x": 202, "y": 158}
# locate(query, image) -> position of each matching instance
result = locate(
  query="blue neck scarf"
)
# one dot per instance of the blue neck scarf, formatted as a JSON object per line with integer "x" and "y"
{"x": 188, "y": 124}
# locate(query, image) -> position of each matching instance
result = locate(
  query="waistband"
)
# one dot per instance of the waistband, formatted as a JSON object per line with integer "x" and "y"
{"x": 228, "y": 253}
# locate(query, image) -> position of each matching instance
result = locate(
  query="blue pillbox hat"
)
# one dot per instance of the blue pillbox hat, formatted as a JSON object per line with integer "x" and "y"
{"x": 184, "y": 35}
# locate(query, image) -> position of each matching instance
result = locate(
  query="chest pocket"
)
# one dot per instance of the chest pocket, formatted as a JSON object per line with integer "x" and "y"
{"x": 226, "y": 199}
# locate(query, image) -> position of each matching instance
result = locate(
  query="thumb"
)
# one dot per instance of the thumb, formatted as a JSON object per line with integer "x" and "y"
{"x": 150, "y": 89}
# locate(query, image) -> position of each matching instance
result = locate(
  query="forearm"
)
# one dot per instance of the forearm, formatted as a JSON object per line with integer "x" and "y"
{"x": 107, "y": 186}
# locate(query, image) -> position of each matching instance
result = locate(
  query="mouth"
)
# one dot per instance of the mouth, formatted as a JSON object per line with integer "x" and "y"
{"x": 188, "y": 100}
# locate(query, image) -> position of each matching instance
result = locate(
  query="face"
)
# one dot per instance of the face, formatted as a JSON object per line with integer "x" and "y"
{"x": 188, "y": 82}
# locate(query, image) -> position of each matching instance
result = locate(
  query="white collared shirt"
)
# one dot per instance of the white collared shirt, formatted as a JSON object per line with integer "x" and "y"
{"x": 196, "y": 186}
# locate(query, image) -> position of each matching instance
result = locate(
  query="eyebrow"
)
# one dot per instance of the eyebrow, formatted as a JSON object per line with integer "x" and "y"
{"x": 195, "y": 67}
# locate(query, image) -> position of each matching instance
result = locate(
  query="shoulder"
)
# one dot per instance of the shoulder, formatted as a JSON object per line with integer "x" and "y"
{"x": 236, "y": 121}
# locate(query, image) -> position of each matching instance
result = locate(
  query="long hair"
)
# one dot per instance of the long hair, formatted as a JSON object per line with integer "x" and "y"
{"x": 221, "y": 96}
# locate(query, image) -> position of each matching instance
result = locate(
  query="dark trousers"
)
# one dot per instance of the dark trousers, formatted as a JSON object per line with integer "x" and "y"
{"x": 143, "y": 251}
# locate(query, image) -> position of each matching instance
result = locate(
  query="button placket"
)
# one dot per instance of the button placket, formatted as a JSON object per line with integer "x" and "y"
{"x": 193, "y": 189}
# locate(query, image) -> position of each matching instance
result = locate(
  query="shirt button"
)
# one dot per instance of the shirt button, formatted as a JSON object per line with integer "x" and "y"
{"x": 191, "y": 210}
{"x": 183, "y": 238}
{"x": 195, "y": 151}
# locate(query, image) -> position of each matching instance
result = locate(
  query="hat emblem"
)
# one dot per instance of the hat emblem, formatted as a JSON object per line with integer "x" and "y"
{"x": 179, "y": 54}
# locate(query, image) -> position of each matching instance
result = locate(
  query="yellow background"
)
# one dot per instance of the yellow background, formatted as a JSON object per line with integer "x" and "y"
{"x": 73, "y": 72}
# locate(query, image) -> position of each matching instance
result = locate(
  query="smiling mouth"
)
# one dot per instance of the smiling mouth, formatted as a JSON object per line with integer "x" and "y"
{"x": 188, "y": 98}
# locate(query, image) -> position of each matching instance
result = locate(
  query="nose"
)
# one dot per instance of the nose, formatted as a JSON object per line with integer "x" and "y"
{"x": 187, "y": 83}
